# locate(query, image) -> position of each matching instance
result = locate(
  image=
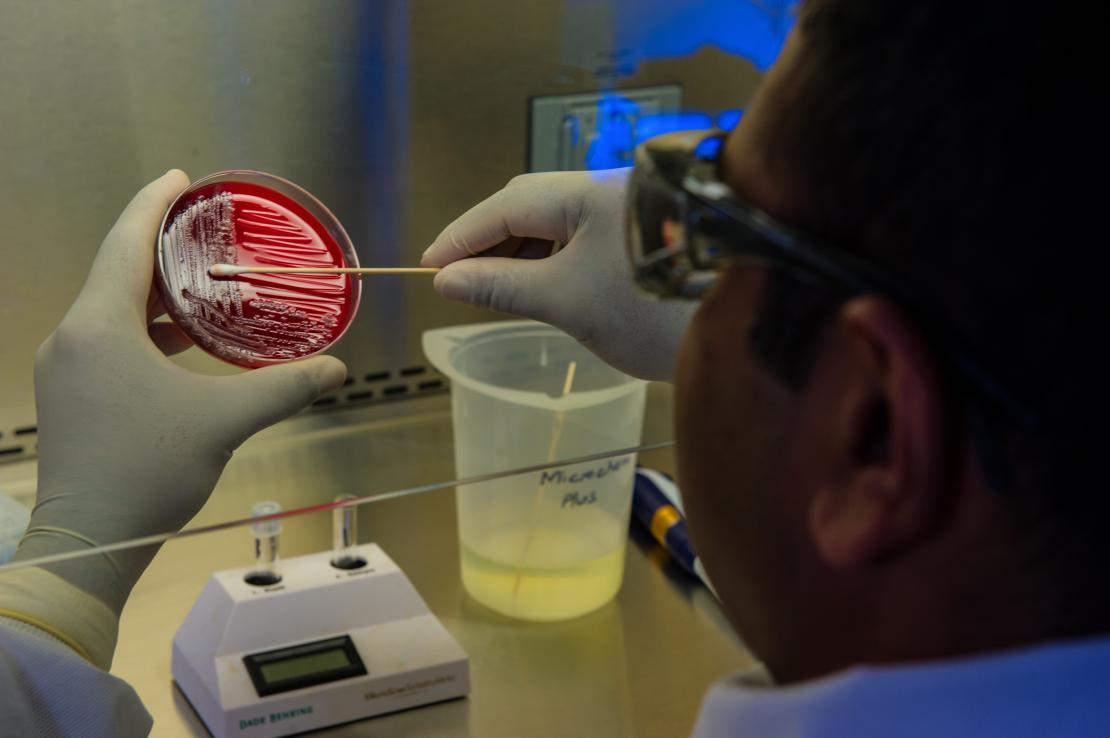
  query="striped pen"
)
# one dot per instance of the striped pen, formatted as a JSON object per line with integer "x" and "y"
{"x": 657, "y": 505}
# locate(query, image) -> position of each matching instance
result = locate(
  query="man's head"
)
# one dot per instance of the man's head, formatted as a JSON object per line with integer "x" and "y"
{"x": 843, "y": 482}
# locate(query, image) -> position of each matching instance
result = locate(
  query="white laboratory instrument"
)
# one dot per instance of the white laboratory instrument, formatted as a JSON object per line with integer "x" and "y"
{"x": 314, "y": 641}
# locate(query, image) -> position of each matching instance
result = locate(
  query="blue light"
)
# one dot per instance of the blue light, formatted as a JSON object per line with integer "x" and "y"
{"x": 649, "y": 126}
{"x": 621, "y": 128}
{"x": 727, "y": 119}
{"x": 382, "y": 155}
{"x": 659, "y": 29}
{"x": 709, "y": 148}
{"x": 614, "y": 142}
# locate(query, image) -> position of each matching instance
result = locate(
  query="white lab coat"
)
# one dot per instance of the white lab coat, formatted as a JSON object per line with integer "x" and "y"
{"x": 48, "y": 691}
{"x": 1060, "y": 690}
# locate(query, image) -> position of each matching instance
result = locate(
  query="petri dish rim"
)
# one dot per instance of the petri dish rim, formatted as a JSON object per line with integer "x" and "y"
{"x": 315, "y": 208}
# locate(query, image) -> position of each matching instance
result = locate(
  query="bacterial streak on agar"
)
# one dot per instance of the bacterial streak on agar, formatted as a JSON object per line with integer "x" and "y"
{"x": 256, "y": 319}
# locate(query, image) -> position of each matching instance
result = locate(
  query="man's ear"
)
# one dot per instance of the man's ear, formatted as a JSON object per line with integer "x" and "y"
{"x": 892, "y": 458}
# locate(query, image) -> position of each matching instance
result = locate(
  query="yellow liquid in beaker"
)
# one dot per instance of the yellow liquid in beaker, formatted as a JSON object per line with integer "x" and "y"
{"x": 562, "y": 576}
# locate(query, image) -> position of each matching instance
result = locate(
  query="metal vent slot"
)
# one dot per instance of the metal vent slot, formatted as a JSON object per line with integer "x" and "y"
{"x": 424, "y": 380}
{"x": 431, "y": 382}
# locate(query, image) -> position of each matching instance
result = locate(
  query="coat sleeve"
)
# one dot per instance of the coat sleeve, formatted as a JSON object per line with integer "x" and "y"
{"x": 48, "y": 690}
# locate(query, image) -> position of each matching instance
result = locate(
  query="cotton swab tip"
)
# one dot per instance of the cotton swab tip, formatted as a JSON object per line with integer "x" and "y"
{"x": 225, "y": 270}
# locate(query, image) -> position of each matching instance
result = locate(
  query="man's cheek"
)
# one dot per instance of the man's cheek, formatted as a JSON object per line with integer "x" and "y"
{"x": 686, "y": 389}
{"x": 696, "y": 403}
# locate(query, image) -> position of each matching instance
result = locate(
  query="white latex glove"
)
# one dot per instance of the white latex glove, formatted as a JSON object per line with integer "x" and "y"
{"x": 130, "y": 444}
{"x": 585, "y": 289}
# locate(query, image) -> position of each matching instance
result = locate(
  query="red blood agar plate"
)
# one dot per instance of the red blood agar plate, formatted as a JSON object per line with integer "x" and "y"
{"x": 252, "y": 218}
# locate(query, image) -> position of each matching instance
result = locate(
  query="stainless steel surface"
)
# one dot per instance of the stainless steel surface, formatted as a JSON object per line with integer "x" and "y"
{"x": 637, "y": 667}
{"x": 398, "y": 114}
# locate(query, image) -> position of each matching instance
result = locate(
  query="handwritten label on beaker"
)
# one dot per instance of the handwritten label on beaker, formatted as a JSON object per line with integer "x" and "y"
{"x": 584, "y": 480}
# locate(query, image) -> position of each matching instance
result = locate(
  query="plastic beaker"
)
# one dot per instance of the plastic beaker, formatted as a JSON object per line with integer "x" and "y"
{"x": 547, "y": 545}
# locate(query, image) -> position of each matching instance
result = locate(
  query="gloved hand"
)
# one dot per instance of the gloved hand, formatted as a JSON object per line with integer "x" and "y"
{"x": 584, "y": 289}
{"x": 130, "y": 444}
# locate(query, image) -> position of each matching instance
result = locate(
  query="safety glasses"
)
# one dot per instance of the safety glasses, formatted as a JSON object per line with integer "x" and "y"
{"x": 684, "y": 224}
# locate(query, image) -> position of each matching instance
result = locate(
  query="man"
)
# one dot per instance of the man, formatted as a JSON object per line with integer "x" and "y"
{"x": 888, "y": 428}
{"x": 886, "y": 405}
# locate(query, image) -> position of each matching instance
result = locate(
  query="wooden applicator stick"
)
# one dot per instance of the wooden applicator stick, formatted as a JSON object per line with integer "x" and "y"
{"x": 233, "y": 270}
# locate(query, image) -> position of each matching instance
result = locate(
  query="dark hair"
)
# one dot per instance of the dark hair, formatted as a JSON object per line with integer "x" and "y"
{"x": 961, "y": 147}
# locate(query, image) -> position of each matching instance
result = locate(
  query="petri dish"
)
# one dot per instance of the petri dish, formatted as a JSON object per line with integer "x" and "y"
{"x": 251, "y": 218}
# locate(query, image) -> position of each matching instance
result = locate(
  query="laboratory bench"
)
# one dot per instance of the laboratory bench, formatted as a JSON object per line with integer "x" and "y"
{"x": 639, "y": 666}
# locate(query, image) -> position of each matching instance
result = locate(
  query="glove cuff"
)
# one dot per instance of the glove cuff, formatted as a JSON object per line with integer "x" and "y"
{"x": 69, "y": 613}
